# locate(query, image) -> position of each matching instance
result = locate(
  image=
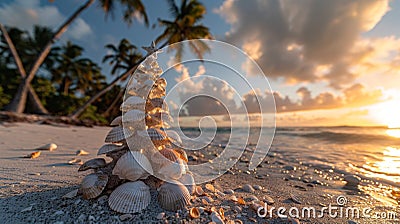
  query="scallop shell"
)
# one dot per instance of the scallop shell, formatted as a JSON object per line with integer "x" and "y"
{"x": 118, "y": 134}
{"x": 133, "y": 115}
{"x": 154, "y": 134}
{"x": 117, "y": 121}
{"x": 93, "y": 164}
{"x": 173, "y": 196}
{"x": 109, "y": 148}
{"x": 130, "y": 166}
{"x": 182, "y": 154}
{"x": 130, "y": 197}
{"x": 132, "y": 102}
{"x": 173, "y": 136}
{"x": 164, "y": 156}
{"x": 92, "y": 185}
{"x": 173, "y": 170}
{"x": 188, "y": 180}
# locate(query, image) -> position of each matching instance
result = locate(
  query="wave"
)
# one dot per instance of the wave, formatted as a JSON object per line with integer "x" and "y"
{"x": 349, "y": 138}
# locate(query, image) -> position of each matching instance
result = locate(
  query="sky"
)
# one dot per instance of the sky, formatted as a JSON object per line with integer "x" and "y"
{"x": 327, "y": 62}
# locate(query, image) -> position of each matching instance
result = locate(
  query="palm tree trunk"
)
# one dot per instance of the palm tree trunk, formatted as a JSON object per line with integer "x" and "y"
{"x": 81, "y": 109}
{"x": 114, "y": 103}
{"x": 32, "y": 96}
{"x": 19, "y": 100}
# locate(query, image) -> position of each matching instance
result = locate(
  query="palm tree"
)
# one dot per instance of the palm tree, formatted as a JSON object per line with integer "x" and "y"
{"x": 185, "y": 27}
{"x": 123, "y": 56}
{"x": 132, "y": 8}
{"x": 74, "y": 73}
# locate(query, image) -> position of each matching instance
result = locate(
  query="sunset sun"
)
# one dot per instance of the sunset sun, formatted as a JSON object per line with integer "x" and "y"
{"x": 387, "y": 113}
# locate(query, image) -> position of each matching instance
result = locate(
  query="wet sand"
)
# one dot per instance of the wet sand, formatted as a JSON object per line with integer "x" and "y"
{"x": 31, "y": 190}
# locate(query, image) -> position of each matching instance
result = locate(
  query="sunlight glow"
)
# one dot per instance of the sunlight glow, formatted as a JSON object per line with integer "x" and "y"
{"x": 387, "y": 113}
{"x": 393, "y": 133}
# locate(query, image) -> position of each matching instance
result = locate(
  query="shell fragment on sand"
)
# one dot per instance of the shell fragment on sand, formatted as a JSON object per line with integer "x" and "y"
{"x": 48, "y": 147}
{"x": 82, "y": 152}
{"x": 33, "y": 155}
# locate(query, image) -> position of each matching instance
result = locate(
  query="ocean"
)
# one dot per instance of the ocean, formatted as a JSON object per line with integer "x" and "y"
{"x": 373, "y": 153}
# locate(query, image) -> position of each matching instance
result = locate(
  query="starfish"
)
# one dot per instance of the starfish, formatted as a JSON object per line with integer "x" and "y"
{"x": 152, "y": 49}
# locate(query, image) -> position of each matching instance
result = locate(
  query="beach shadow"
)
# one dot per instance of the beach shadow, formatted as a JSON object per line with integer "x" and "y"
{"x": 58, "y": 165}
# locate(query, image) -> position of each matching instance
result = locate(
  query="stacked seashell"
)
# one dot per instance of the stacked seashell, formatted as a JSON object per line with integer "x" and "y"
{"x": 144, "y": 154}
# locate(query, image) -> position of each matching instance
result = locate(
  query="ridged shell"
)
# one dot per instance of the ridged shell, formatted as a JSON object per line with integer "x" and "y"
{"x": 182, "y": 154}
{"x": 173, "y": 136}
{"x": 154, "y": 134}
{"x": 188, "y": 180}
{"x": 133, "y": 115}
{"x": 130, "y": 197}
{"x": 132, "y": 102}
{"x": 165, "y": 156}
{"x": 93, "y": 164}
{"x": 109, "y": 148}
{"x": 118, "y": 134}
{"x": 116, "y": 122}
{"x": 173, "y": 170}
{"x": 173, "y": 196}
{"x": 92, "y": 185}
{"x": 130, "y": 166}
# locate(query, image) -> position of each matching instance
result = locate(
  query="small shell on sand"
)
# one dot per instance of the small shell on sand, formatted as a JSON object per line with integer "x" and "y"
{"x": 268, "y": 200}
{"x": 241, "y": 201}
{"x": 49, "y": 147}
{"x": 82, "y": 153}
{"x": 229, "y": 191}
{"x": 248, "y": 188}
{"x": 194, "y": 213}
{"x": 75, "y": 161}
{"x": 210, "y": 187}
{"x": 295, "y": 199}
{"x": 33, "y": 155}
{"x": 199, "y": 191}
{"x": 216, "y": 218}
{"x": 352, "y": 180}
{"x": 71, "y": 194}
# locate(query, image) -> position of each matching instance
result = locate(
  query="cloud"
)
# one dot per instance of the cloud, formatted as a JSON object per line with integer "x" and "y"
{"x": 293, "y": 39}
{"x": 25, "y": 14}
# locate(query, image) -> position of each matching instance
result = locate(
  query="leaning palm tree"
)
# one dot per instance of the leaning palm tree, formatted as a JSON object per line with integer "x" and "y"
{"x": 187, "y": 18}
{"x": 132, "y": 8}
{"x": 186, "y": 26}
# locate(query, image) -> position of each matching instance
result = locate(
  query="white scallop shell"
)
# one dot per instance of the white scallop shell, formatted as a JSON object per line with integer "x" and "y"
{"x": 117, "y": 121}
{"x": 188, "y": 180}
{"x": 174, "y": 136}
{"x": 133, "y": 115}
{"x": 130, "y": 197}
{"x": 173, "y": 170}
{"x": 173, "y": 196}
{"x": 109, "y": 148}
{"x": 92, "y": 185}
{"x": 132, "y": 102}
{"x": 153, "y": 133}
{"x": 118, "y": 134}
{"x": 132, "y": 166}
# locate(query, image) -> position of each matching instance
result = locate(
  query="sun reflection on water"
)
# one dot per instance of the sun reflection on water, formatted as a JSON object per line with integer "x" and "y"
{"x": 390, "y": 164}
{"x": 393, "y": 133}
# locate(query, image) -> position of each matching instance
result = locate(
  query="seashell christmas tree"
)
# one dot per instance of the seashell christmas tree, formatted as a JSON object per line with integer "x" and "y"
{"x": 144, "y": 154}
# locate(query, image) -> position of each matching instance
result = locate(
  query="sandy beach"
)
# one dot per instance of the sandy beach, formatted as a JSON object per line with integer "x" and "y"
{"x": 32, "y": 190}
